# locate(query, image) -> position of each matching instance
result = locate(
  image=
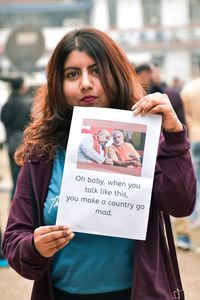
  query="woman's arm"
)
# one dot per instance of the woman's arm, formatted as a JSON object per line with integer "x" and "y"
{"x": 18, "y": 240}
{"x": 174, "y": 189}
{"x": 18, "y": 245}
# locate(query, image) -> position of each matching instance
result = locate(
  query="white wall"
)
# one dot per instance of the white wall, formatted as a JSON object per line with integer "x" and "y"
{"x": 99, "y": 16}
{"x": 177, "y": 63}
{"x": 174, "y": 12}
{"x": 129, "y": 14}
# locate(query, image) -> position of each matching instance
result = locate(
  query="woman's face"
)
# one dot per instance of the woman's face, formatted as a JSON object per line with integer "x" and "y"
{"x": 82, "y": 85}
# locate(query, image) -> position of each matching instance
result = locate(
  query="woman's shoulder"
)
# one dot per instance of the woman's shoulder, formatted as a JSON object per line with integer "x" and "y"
{"x": 38, "y": 164}
{"x": 36, "y": 154}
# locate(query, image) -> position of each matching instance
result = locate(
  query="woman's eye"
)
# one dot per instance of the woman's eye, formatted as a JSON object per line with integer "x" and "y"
{"x": 71, "y": 75}
{"x": 95, "y": 71}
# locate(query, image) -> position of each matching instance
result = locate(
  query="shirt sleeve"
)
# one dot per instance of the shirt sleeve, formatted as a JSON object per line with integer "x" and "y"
{"x": 18, "y": 246}
{"x": 87, "y": 148}
{"x": 174, "y": 188}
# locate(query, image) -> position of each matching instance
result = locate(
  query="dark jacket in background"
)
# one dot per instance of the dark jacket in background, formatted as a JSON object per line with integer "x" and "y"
{"x": 15, "y": 116}
{"x": 15, "y": 113}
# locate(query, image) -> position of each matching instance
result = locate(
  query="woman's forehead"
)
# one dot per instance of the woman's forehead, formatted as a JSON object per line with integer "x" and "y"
{"x": 79, "y": 58}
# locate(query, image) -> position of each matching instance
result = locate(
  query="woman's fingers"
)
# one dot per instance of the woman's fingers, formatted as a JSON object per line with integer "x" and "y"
{"x": 50, "y": 239}
{"x": 51, "y": 228}
{"x": 158, "y": 103}
{"x": 52, "y": 233}
{"x": 149, "y": 102}
{"x": 59, "y": 241}
{"x": 57, "y": 245}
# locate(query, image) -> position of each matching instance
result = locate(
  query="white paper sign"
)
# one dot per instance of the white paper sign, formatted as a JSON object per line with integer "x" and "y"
{"x": 108, "y": 199}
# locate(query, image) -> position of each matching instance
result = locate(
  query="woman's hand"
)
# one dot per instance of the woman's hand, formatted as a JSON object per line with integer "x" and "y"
{"x": 158, "y": 103}
{"x": 50, "y": 239}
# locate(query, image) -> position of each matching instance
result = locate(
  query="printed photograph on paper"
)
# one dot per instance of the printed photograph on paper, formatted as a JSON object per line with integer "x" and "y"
{"x": 111, "y": 147}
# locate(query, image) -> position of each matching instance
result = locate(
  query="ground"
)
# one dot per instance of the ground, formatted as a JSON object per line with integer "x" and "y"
{"x": 14, "y": 286}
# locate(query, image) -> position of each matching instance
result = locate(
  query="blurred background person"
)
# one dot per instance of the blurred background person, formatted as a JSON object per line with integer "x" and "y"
{"x": 145, "y": 75}
{"x": 177, "y": 83}
{"x": 190, "y": 94}
{"x": 15, "y": 116}
{"x": 157, "y": 84}
{"x": 150, "y": 77}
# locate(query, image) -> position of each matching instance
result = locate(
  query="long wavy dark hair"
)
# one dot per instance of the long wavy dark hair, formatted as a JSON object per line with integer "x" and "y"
{"x": 51, "y": 116}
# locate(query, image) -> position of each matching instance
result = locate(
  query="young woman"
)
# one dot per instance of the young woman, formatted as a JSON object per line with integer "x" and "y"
{"x": 87, "y": 69}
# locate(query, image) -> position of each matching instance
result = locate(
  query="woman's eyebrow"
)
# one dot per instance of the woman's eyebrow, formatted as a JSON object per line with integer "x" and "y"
{"x": 71, "y": 68}
{"x": 93, "y": 65}
{"x": 78, "y": 68}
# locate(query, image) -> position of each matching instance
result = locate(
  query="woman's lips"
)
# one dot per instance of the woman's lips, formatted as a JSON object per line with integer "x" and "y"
{"x": 89, "y": 99}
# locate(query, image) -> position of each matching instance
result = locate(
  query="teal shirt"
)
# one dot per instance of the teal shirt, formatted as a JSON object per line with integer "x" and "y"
{"x": 90, "y": 263}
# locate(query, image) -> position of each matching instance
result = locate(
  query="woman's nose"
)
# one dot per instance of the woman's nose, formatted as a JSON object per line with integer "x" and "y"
{"x": 86, "y": 81}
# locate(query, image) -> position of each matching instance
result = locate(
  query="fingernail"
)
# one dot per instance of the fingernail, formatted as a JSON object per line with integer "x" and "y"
{"x": 136, "y": 111}
{"x": 133, "y": 107}
{"x": 69, "y": 232}
{"x": 72, "y": 235}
